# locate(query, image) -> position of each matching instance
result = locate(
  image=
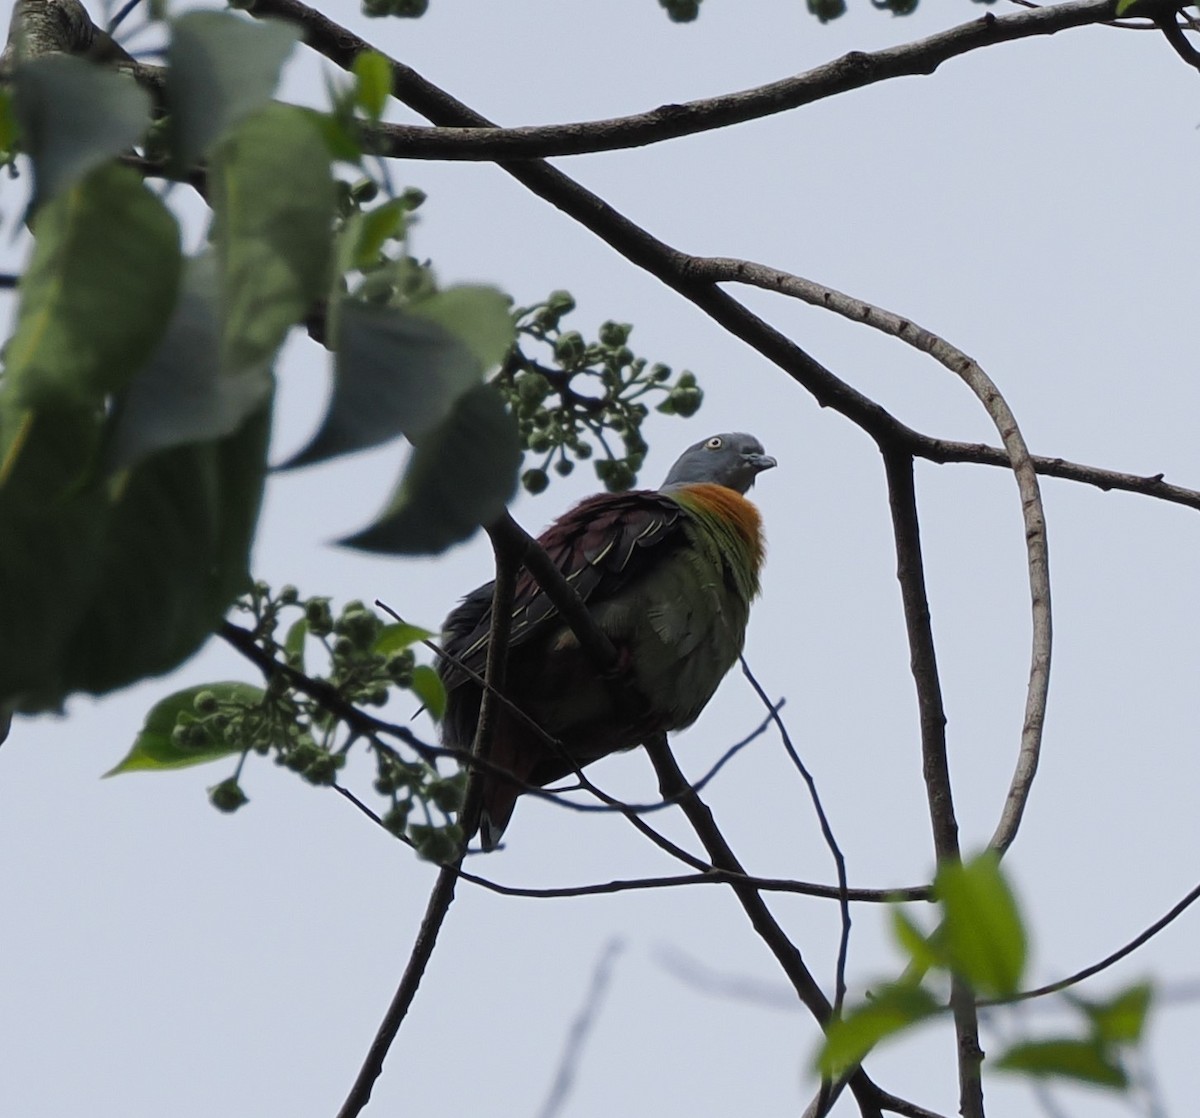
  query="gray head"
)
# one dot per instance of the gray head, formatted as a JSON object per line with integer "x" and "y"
{"x": 733, "y": 460}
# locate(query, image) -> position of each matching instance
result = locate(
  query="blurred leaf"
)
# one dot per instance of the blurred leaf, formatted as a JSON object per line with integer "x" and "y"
{"x": 480, "y": 316}
{"x": 1121, "y": 1019}
{"x": 340, "y": 135}
{"x": 984, "y": 935}
{"x": 921, "y": 949}
{"x": 373, "y": 82}
{"x": 273, "y": 201}
{"x": 397, "y": 637}
{"x": 221, "y": 68}
{"x": 109, "y": 582}
{"x": 181, "y": 396}
{"x": 9, "y": 132}
{"x": 155, "y": 746}
{"x": 895, "y": 1007}
{"x": 1085, "y": 1060}
{"x": 366, "y": 233}
{"x": 97, "y": 293}
{"x": 1123, "y": 6}
{"x": 460, "y": 475}
{"x": 395, "y": 374}
{"x": 74, "y": 116}
{"x": 427, "y": 686}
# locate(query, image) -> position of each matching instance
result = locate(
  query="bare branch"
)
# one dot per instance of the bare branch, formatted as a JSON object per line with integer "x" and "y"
{"x": 1032, "y": 511}
{"x": 911, "y": 573}
{"x": 442, "y": 895}
{"x": 839, "y": 861}
{"x": 855, "y": 70}
{"x": 1174, "y": 35}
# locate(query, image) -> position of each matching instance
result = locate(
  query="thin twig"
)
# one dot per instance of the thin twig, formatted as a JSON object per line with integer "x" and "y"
{"x": 1121, "y": 952}
{"x": 580, "y": 1029}
{"x": 910, "y": 571}
{"x": 442, "y": 895}
{"x": 839, "y": 859}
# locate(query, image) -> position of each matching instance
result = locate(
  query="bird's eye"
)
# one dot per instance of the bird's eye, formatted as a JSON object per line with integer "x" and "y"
{"x": 715, "y": 443}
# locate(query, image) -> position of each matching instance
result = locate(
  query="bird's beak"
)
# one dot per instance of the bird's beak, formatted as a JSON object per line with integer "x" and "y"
{"x": 759, "y": 462}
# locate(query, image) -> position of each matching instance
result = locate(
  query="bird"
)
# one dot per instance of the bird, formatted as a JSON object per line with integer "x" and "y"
{"x": 667, "y": 574}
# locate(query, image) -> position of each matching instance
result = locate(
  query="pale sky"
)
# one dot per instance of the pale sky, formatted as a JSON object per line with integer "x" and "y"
{"x": 1033, "y": 204}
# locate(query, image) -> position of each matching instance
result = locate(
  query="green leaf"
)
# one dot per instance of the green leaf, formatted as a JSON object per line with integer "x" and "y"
{"x": 273, "y": 199}
{"x": 461, "y": 475}
{"x": 221, "y": 68}
{"x": 155, "y": 747}
{"x": 181, "y": 395}
{"x": 293, "y": 644}
{"x": 9, "y": 132}
{"x": 74, "y": 116}
{"x": 97, "y": 293}
{"x": 895, "y": 1007}
{"x": 921, "y": 949}
{"x": 1085, "y": 1060}
{"x": 339, "y": 133}
{"x": 366, "y": 233}
{"x": 397, "y": 637}
{"x": 480, "y": 316}
{"x": 427, "y": 685}
{"x": 1121, "y": 1019}
{"x": 108, "y": 582}
{"x": 373, "y": 82}
{"x": 399, "y": 371}
{"x": 984, "y": 935}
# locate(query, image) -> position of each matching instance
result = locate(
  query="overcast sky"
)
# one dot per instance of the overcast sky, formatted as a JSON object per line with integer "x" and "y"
{"x": 1034, "y": 203}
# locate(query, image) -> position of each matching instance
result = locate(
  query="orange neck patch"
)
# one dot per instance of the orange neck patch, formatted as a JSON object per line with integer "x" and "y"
{"x": 735, "y": 510}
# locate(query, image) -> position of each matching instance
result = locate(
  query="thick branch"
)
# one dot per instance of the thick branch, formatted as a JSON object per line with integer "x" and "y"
{"x": 852, "y": 71}
{"x": 910, "y": 570}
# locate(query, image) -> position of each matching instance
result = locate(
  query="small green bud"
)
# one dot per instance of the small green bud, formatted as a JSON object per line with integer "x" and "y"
{"x": 319, "y": 616}
{"x": 535, "y": 481}
{"x": 532, "y": 388}
{"x": 205, "y": 702}
{"x": 396, "y": 820}
{"x": 447, "y": 795}
{"x": 227, "y": 796}
{"x": 540, "y": 442}
{"x": 615, "y": 334}
{"x": 413, "y": 197}
{"x": 660, "y": 372}
{"x": 289, "y": 595}
{"x": 582, "y": 450}
{"x": 561, "y": 302}
{"x": 686, "y": 380}
{"x": 687, "y": 402}
{"x": 365, "y": 190}
{"x": 563, "y": 467}
{"x": 569, "y": 347}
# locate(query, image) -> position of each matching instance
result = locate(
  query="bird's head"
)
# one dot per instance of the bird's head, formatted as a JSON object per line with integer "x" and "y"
{"x": 733, "y": 460}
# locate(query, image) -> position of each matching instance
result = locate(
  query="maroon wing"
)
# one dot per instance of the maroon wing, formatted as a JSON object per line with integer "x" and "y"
{"x": 599, "y": 545}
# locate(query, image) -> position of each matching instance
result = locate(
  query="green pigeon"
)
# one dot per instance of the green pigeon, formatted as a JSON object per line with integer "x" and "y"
{"x": 668, "y": 575}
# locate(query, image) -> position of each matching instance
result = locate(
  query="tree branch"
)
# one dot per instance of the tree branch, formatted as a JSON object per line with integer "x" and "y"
{"x": 911, "y": 573}
{"x": 855, "y": 70}
{"x": 1032, "y": 511}
{"x": 442, "y": 895}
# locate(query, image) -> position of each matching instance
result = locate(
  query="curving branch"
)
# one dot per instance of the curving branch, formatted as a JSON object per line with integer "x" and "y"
{"x": 1032, "y": 511}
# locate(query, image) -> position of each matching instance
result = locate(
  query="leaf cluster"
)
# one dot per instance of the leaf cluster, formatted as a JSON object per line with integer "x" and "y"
{"x": 981, "y": 940}
{"x": 299, "y": 718}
